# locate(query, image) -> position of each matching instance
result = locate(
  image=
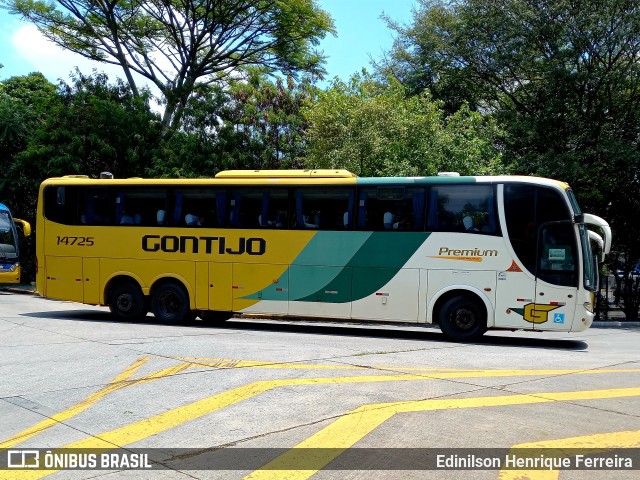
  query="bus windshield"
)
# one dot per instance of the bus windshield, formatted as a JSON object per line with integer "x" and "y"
{"x": 8, "y": 242}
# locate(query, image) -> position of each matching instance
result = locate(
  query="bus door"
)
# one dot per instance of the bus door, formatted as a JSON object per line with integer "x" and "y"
{"x": 557, "y": 267}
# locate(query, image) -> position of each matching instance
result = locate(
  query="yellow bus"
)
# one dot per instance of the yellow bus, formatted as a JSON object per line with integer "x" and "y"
{"x": 468, "y": 253}
{"x": 10, "y": 246}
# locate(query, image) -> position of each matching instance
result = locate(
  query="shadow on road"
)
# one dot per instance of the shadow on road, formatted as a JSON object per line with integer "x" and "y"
{"x": 400, "y": 331}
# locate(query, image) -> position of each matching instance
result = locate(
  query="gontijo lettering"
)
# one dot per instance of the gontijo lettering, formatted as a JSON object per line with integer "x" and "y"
{"x": 193, "y": 244}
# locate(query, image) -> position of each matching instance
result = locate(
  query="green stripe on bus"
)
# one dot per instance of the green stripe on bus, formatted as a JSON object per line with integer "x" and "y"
{"x": 317, "y": 265}
{"x": 394, "y": 247}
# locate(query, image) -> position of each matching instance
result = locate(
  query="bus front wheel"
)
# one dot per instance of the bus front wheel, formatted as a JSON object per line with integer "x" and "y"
{"x": 170, "y": 303}
{"x": 126, "y": 301}
{"x": 462, "y": 318}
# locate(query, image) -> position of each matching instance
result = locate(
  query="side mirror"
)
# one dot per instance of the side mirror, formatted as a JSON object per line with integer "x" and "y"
{"x": 598, "y": 240}
{"x": 26, "y": 226}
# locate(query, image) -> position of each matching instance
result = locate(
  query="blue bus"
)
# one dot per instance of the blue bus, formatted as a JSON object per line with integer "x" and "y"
{"x": 9, "y": 246}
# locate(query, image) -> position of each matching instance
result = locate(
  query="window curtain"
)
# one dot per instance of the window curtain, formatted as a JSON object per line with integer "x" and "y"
{"x": 221, "y": 208}
{"x": 418, "y": 210}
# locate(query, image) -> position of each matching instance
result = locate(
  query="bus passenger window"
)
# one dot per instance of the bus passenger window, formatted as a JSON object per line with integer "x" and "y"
{"x": 324, "y": 208}
{"x": 462, "y": 208}
{"x": 392, "y": 208}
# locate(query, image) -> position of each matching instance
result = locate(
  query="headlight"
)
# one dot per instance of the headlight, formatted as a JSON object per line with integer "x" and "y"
{"x": 588, "y": 306}
{"x": 14, "y": 267}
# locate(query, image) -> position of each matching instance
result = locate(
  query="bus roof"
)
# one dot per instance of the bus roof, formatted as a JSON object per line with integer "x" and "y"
{"x": 306, "y": 177}
{"x": 318, "y": 173}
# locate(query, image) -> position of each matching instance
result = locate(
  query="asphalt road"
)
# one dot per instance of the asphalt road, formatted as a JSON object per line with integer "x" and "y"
{"x": 356, "y": 400}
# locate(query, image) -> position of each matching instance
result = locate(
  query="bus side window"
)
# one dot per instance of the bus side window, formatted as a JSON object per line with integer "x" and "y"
{"x": 323, "y": 208}
{"x": 198, "y": 206}
{"x": 462, "y": 208}
{"x": 274, "y": 208}
{"x": 392, "y": 208}
{"x": 100, "y": 206}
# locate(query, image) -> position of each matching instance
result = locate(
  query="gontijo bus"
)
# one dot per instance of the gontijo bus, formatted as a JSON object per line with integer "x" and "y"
{"x": 10, "y": 245}
{"x": 468, "y": 253}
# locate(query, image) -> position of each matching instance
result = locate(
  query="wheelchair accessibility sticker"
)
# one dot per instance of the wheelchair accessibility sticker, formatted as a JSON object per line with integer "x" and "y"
{"x": 558, "y": 318}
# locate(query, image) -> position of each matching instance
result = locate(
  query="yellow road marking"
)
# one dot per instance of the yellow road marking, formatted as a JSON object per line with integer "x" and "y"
{"x": 159, "y": 423}
{"x": 599, "y": 442}
{"x": 120, "y": 381}
{"x": 349, "y": 429}
{"x": 264, "y": 385}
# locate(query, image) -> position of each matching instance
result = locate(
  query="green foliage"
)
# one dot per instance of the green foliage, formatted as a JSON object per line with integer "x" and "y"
{"x": 24, "y": 105}
{"x": 253, "y": 123}
{"x": 377, "y": 130}
{"x": 93, "y": 127}
{"x": 262, "y": 124}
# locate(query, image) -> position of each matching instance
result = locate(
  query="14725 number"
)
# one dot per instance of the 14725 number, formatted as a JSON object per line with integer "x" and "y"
{"x": 79, "y": 241}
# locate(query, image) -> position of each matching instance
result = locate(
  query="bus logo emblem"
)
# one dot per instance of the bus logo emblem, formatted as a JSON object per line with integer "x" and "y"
{"x": 537, "y": 312}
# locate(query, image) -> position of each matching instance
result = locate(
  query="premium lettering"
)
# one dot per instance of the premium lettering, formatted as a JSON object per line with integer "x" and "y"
{"x": 207, "y": 245}
{"x": 475, "y": 252}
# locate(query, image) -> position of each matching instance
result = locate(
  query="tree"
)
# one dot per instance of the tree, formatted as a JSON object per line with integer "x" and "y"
{"x": 377, "y": 130}
{"x": 263, "y": 126}
{"x": 25, "y": 103}
{"x": 252, "y": 124}
{"x": 93, "y": 127}
{"x": 178, "y": 44}
{"x": 562, "y": 76}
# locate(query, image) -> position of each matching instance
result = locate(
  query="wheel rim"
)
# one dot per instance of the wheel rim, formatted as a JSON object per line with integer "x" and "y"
{"x": 464, "y": 318}
{"x": 169, "y": 304}
{"x": 124, "y": 302}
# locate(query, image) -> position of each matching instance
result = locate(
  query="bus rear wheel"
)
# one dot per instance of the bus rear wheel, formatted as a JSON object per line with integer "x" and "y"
{"x": 126, "y": 301}
{"x": 462, "y": 318}
{"x": 170, "y": 303}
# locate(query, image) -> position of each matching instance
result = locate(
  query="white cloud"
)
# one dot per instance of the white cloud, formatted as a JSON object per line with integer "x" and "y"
{"x": 52, "y": 61}
{"x": 56, "y": 63}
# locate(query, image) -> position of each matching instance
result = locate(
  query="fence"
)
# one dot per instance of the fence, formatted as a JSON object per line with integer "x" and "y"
{"x": 608, "y": 302}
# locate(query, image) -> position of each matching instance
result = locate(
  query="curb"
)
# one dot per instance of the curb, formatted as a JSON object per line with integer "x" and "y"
{"x": 614, "y": 324}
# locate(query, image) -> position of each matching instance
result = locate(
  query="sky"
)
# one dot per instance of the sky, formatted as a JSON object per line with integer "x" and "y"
{"x": 361, "y": 34}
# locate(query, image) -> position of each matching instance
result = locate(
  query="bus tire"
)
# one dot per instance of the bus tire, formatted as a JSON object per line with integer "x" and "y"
{"x": 170, "y": 303}
{"x": 126, "y": 301}
{"x": 462, "y": 318}
{"x": 213, "y": 317}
